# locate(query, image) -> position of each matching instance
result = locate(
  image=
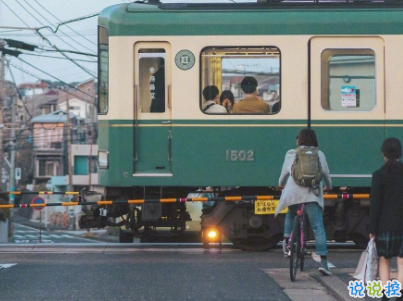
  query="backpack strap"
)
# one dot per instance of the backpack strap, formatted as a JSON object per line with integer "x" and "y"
{"x": 208, "y": 107}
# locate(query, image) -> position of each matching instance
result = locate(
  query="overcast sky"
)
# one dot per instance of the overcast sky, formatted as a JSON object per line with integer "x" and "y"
{"x": 78, "y": 36}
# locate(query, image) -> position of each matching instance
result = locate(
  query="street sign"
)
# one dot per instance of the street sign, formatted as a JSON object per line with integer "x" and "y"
{"x": 18, "y": 173}
{"x": 38, "y": 200}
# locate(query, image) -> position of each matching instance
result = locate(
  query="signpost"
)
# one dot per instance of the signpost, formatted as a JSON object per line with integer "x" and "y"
{"x": 39, "y": 200}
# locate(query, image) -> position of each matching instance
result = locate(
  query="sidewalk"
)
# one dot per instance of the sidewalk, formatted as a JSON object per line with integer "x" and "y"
{"x": 311, "y": 285}
{"x": 338, "y": 285}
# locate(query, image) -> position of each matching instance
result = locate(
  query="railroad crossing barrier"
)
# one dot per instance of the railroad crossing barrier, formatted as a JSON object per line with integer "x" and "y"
{"x": 343, "y": 196}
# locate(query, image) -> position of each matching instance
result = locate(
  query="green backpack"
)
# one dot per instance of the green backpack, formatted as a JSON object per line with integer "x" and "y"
{"x": 306, "y": 169}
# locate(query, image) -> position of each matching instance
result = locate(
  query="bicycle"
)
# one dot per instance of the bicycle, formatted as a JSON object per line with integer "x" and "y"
{"x": 296, "y": 243}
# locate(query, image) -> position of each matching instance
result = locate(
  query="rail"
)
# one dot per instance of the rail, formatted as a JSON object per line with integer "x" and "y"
{"x": 343, "y": 196}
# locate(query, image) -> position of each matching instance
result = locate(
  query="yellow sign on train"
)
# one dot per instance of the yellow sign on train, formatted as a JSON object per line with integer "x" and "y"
{"x": 267, "y": 207}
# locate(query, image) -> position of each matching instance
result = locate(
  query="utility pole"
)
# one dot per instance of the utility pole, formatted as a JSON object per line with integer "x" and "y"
{"x": 4, "y": 48}
{"x": 70, "y": 170}
{"x": 12, "y": 145}
{"x": 2, "y": 94}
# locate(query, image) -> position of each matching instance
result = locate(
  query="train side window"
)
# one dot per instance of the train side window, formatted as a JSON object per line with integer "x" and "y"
{"x": 226, "y": 67}
{"x": 152, "y": 80}
{"x": 348, "y": 80}
{"x": 103, "y": 66}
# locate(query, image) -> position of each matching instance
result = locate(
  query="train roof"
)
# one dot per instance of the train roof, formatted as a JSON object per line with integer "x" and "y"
{"x": 268, "y": 18}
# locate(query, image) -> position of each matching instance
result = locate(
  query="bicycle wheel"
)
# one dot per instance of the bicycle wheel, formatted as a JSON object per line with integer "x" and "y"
{"x": 302, "y": 259}
{"x": 295, "y": 248}
{"x": 303, "y": 249}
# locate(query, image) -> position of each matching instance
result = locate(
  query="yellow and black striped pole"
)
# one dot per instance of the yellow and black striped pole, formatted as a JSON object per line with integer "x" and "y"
{"x": 251, "y": 198}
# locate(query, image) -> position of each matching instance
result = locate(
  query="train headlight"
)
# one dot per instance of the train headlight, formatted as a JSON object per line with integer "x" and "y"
{"x": 103, "y": 159}
{"x": 211, "y": 235}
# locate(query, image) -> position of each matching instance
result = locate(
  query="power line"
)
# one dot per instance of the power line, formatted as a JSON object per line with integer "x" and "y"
{"x": 12, "y": 76}
{"x": 55, "y": 57}
{"x": 66, "y": 24}
{"x": 43, "y": 25}
{"x": 19, "y": 68}
{"x": 69, "y": 51}
{"x": 60, "y": 30}
{"x": 70, "y": 21}
{"x": 17, "y": 32}
{"x": 44, "y": 38}
{"x": 15, "y": 14}
{"x": 54, "y": 46}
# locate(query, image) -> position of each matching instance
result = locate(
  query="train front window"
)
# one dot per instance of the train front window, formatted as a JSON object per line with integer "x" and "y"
{"x": 152, "y": 80}
{"x": 103, "y": 65}
{"x": 227, "y": 67}
{"x": 348, "y": 80}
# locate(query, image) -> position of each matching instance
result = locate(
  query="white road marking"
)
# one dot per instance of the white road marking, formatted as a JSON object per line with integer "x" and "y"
{"x": 6, "y": 265}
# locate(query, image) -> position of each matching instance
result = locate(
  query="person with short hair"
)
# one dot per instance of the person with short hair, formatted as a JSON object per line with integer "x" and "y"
{"x": 386, "y": 210}
{"x": 251, "y": 104}
{"x": 293, "y": 195}
{"x": 227, "y": 100}
{"x": 212, "y": 96}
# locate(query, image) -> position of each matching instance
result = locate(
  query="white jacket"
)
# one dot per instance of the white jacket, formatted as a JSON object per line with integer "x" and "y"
{"x": 214, "y": 108}
{"x": 294, "y": 194}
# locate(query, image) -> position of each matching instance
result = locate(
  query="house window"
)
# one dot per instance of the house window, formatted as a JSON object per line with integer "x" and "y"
{"x": 82, "y": 164}
{"x": 47, "y": 168}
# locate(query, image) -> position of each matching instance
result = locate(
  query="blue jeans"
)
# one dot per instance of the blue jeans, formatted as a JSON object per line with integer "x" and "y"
{"x": 314, "y": 213}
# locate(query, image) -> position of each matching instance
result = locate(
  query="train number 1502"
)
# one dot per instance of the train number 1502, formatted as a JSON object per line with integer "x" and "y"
{"x": 239, "y": 155}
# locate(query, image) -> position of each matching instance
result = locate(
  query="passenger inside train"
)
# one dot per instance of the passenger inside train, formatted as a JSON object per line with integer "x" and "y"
{"x": 211, "y": 95}
{"x": 251, "y": 103}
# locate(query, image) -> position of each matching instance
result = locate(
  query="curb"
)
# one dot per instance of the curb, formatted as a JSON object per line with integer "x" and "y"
{"x": 334, "y": 285}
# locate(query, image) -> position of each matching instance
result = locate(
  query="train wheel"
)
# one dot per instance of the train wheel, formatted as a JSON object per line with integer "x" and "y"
{"x": 256, "y": 244}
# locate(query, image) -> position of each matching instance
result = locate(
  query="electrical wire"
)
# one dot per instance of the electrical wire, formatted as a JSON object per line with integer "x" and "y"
{"x": 60, "y": 30}
{"x": 55, "y": 57}
{"x": 12, "y": 76}
{"x": 66, "y": 24}
{"x": 44, "y": 38}
{"x": 37, "y": 77}
{"x": 70, "y": 51}
{"x": 40, "y": 22}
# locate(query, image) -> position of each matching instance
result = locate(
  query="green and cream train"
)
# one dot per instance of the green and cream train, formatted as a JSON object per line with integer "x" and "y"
{"x": 336, "y": 67}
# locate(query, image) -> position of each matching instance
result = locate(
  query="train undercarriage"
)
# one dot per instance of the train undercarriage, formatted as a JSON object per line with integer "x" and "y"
{"x": 345, "y": 218}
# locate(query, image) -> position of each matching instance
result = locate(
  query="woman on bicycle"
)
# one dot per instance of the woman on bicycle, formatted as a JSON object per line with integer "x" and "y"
{"x": 293, "y": 195}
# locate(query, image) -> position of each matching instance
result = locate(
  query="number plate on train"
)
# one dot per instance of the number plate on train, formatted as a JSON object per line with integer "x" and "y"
{"x": 267, "y": 207}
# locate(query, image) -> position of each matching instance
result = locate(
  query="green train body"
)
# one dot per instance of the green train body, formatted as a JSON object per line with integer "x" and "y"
{"x": 333, "y": 67}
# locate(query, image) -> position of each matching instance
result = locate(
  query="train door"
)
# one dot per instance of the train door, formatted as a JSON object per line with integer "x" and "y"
{"x": 347, "y": 104}
{"x": 152, "y": 110}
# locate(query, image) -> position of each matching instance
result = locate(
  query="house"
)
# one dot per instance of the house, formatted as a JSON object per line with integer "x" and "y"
{"x": 50, "y": 135}
{"x": 31, "y": 89}
{"x": 83, "y": 96}
{"x": 77, "y": 107}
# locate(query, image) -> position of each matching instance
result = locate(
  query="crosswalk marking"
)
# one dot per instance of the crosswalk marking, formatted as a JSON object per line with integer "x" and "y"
{"x": 6, "y": 265}
{"x": 29, "y": 236}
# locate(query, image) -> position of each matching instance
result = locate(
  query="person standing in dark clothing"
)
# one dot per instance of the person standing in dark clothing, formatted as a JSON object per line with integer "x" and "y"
{"x": 386, "y": 210}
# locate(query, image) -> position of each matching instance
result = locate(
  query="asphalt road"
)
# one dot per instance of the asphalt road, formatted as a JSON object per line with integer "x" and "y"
{"x": 164, "y": 272}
